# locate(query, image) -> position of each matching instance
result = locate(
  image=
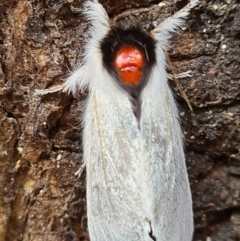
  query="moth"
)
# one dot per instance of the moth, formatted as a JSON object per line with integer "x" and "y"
{"x": 137, "y": 183}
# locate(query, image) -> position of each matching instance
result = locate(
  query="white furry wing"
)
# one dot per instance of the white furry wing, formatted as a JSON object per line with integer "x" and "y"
{"x": 170, "y": 206}
{"x": 136, "y": 178}
{"x": 113, "y": 155}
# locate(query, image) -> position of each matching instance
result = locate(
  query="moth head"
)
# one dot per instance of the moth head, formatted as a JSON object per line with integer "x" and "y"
{"x": 128, "y": 55}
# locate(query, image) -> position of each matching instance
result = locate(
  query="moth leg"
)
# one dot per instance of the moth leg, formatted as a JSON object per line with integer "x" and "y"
{"x": 186, "y": 74}
{"x": 53, "y": 89}
{"x": 78, "y": 173}
{"x": 76, "y": 81}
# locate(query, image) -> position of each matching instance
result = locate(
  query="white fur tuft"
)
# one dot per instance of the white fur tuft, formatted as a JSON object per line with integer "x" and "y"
{"x": 92, "y": 67}
{"x": 167, "y": 28}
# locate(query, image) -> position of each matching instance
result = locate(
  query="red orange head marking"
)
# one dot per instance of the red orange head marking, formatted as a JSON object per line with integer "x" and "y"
{"x": 129, "y": 62}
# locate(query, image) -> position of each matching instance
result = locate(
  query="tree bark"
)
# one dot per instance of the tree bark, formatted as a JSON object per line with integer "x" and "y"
{"x": 40, "y": 137}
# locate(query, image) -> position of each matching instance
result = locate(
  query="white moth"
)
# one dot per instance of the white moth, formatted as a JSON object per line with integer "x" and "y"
{"x": 137, "y": 183}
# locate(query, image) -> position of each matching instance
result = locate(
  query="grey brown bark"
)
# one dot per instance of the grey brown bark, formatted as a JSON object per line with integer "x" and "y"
{"x": 40, "y": 137}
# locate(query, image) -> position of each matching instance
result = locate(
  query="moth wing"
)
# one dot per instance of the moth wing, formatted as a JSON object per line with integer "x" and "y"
{"x": 167, "y": 193}
{"x": 113, "y": 155}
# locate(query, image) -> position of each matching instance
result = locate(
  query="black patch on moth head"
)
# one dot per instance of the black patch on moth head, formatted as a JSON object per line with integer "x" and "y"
{"x": 118, "y": 38}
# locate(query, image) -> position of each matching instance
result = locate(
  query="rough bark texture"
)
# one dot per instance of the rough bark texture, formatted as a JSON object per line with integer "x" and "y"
{"x": 40, "y": 137}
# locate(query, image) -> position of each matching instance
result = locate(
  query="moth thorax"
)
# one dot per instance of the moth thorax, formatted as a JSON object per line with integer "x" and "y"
{"x": 129, "y": 62}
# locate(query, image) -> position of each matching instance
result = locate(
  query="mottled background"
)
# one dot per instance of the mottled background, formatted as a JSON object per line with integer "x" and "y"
{"x": 40, "y": 137}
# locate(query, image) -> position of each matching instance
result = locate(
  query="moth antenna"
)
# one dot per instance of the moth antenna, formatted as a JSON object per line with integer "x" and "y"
{"x": 128, "y": 13}
{"x": 164, "y": 31}
{"x": 146, "y": 52}
{"x": 179, "y": 86}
